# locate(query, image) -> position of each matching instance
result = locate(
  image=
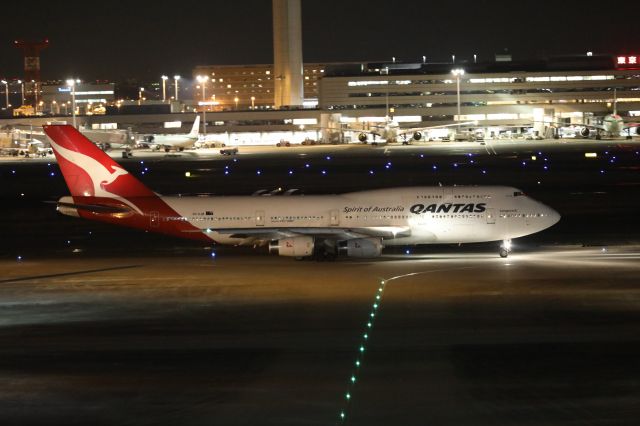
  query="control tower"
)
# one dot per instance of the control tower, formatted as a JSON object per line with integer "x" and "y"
{"x": 287, "y": 53}
{"x": 31, "y": 51}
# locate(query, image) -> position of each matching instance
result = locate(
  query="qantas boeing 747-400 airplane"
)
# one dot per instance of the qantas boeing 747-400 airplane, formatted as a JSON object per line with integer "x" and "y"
{"x": 357, "y": 224}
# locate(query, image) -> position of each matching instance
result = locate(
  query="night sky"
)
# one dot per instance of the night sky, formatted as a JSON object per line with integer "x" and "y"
{"x": 117, "y": 39}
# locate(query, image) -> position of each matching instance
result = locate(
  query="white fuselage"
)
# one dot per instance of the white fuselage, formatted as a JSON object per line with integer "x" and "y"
{"x": 412, "y": 215}
{"x": 174, "y": 141}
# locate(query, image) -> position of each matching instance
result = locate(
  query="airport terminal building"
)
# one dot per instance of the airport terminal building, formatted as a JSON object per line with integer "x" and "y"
{"x": 499, "y": 94}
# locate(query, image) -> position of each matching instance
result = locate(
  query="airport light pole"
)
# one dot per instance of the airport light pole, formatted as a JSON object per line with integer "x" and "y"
{"x": 140, "y": 95}
{"x": 236, "y": 101}
{"x": 253, "y": 100}
{"x": 202, "y": 79}
{"x": 457, "y": 73}
{"x": 72, "y": 84}
{"x": 175, "y": 79}
{"x": 164, "y": 88}
{"x": 21, "y": 83}
{"x": 6, "y": 93}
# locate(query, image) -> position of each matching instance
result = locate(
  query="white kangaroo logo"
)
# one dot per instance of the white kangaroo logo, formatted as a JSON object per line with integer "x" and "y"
{"x": 100, "y": 175}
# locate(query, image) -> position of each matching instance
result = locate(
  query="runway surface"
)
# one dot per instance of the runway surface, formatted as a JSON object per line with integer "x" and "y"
{"x": 105, "y": 325}
{"x": 463, "y": 338}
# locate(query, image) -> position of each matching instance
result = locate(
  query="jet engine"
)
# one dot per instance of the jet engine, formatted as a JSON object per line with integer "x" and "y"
{"x": 361, "y": 247}
{"x": 362, "y": 137}
{"x": 417, "y": 136}
{"x": 585, "y": 132}
{"x": 292, "y": 246}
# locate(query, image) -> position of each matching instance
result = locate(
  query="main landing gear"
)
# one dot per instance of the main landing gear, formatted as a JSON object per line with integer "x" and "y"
{"x": 505, "y": 248}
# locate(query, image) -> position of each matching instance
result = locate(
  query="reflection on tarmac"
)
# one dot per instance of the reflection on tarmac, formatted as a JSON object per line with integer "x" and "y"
{"x": 460, "y": 339}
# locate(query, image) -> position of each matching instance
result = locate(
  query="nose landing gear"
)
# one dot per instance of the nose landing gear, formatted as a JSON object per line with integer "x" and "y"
{"x": 505, "y": 248}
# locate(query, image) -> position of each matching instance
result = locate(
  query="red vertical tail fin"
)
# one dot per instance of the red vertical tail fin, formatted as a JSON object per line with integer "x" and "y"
{"x": 89, "y": 171}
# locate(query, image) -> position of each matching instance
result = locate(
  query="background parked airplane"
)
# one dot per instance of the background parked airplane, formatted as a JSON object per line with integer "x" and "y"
{"x": 390, "y": 131}
{"x": 612, "y": 125}
{"x": 177, "y": 142}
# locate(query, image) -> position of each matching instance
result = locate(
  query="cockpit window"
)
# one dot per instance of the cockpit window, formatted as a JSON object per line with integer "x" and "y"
{"x": 518, "y": 194}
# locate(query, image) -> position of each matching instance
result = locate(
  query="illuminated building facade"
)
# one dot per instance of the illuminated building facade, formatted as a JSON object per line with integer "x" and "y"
{"x": 494, "y": 94}
{"x": 242, "y": 82}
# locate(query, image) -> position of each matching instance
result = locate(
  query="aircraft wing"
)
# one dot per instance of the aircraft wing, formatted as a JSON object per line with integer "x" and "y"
{"x": 334, "y": 233}
{"x": 442, "y": 126}
{"x": 560, "y": 124}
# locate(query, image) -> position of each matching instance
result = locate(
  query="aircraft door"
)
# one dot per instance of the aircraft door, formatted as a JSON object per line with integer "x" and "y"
{"x": 447, "y": 193}
{"x": 491, "y": 216}
{"x": 259, "y": 217}
{"x": 154, "y": 219}
{"x": 334, "y": 218}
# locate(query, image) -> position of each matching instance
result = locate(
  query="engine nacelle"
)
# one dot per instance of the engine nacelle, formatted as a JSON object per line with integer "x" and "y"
{"x": 417, "y": 136}
{"x": 293, "y": 246}
{"x": 362, "y": 137}
{"x": 638, "y": 130}
{"x": 585, "y": 132}
{"x": 361, "y": 247}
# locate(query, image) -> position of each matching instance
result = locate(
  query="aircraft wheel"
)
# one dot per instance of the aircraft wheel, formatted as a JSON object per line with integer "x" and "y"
{"x": 504, "y": 252}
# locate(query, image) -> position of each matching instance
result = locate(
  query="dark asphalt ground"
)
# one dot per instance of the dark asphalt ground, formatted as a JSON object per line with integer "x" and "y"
{"x": 134, "y": 328}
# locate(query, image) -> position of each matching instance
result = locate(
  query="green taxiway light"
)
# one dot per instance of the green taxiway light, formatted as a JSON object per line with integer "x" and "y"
{"x": 348, "y": 395}
{"x": 366, "y": 336}
{"x": 375, "y": 306}
{"x": 353, "y": 379}
{"x": 357, "y": 363}
{"x": 372, "y": 314}
{"x": 378, "y": 297}
{"x": 369, "y": 324}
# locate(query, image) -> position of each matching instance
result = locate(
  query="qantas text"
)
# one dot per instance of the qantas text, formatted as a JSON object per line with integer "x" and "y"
{"x": 448, "y": 208}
